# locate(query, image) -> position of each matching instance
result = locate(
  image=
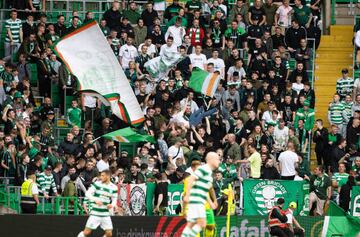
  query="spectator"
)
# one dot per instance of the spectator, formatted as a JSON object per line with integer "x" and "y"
{"x": 320, "y": 138}
{"x": 46, "y": 183}
{"x": 293, "y": 36}
{"x": 160, "y": 195}
{"x": 254, "y": 160}
{"x": 302, "y": 14}
{"x": 320, "y": 190}
{"x": 282, "y": 16}
{"x": 113, "y": 15}
{"x": 132, "y": 13}
{"x": 148, "y": 15}
{"x": 287, "y": 162}
{"x": 14, "y": 35}
{"x": 344, "y": 85}
{"x": 345, "y": 192}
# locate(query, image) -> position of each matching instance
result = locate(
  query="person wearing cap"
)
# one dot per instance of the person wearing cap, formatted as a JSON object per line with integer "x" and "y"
{"x": 29, "y": 194}
{"x": 277, "y": 220}
{"x": 292, "y": 223}
{"x": 46, "y": 183}
{"x": 344, "y": 85}
{"x": 306, "y": 114}
{"x": 49, "y": 121}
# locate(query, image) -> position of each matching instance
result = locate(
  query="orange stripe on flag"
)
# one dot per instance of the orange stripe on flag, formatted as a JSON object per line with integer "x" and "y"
{"x": 137, "y": 121}
{"x": 119, "y": 138}
{"x": 211, "y": 84}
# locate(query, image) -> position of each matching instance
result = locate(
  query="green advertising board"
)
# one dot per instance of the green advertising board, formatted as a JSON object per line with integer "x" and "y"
{"x": 257, "y": 226}
{"x": 261, "y": 195}
{"x": 175, "y": 192}
{"x": 355, "y": 201}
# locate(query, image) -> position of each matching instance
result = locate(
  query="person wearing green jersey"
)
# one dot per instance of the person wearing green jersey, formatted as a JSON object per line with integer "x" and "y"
{"x": 339, "y": 179}
{"x": 196, "y": 195}
{"x": 103, "y": 197}
{"x": 337, "y": 114}
{"x": 73, "y": 114}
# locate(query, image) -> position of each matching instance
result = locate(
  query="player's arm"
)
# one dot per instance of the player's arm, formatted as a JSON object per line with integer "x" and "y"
{"x": 90, "y": 195}
{"x": 113, "y": 200}
{"x": 212, "y": 196}
{"x": 190, "y": 182}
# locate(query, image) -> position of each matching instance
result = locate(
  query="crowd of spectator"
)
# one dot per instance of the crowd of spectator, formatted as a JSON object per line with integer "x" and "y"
{"x": 262, "y": 117}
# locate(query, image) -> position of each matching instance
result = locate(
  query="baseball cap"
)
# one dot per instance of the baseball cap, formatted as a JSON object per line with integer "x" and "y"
{"x": 17, "y": 95}
{"x": 292, "y": 205}
{"x": 48, "y": 167}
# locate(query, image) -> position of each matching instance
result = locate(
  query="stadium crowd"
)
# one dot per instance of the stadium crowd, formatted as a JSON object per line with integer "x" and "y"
{"x": 262, "y": 114}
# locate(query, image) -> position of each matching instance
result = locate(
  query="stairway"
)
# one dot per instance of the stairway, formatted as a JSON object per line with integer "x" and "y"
{"x": 335, "y": 53}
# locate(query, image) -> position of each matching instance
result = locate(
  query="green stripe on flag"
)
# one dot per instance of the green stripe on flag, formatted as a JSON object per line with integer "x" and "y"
{"x": 197, "y": 79}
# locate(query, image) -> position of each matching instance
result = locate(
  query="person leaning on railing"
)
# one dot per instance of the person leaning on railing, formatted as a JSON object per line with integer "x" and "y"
{"x": 29, "y": 194}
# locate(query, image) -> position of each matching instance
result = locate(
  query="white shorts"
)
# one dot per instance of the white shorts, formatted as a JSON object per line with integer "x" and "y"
{"x": 195, "y": 211}
{"x": 103, "y": 221}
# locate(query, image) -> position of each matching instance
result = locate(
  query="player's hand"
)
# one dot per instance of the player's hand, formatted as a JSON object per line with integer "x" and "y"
{"x": 99, "y": 203}
{"x": 214, "y": 205}
{"x": 109, "y": 206}
{"x": 46, "y": 196}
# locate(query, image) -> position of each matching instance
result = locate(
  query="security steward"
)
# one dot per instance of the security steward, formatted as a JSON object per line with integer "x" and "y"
{"x": 277, "y": 220}
{"x": 292, "y": 223}
{"x": 29, "y": 194}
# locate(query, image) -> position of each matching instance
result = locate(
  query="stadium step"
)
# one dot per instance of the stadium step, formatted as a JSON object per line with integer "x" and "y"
{"x": 334, "y": 54}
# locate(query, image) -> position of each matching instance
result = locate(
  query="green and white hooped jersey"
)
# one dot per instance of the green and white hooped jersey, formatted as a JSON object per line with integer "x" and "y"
{"x": 15, "y": 27}
{"x": 336, "y": 113}
{"x": 106, "y": 193}
{"x": 203, "y": 183}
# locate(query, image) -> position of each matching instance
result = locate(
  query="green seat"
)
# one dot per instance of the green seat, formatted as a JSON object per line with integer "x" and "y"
{"x": 292, "y": 64}
{"x": 129, "y": 148}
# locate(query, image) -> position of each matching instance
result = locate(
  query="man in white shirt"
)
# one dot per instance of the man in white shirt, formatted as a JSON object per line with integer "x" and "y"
{"x": 219, "y": 64}
{"x": 281, "y": 135}
{"x": 189, "y": 102}
{"x": 175, "y": 151}
{"x": 198, "y": 59}
{"x": 169, "y": 47}
{"x": 151, "y": 48}
{"x": 88, "y": 105}
{"x": 287, "y": 162}
{"x": 176, "y": 31}
{"x": 283, "y": 15}
{"x": 128, "y": 53}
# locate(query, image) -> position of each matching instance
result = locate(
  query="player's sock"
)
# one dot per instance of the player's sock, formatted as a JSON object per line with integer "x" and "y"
{"x": 195, "y": 230}
{"x": 186, "y": 232}
{"x": 209, "y": 232}
{"x": 81, "y": 234}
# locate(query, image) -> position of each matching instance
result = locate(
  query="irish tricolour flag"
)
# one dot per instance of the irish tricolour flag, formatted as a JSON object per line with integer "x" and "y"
{"x": 204, "y": 82}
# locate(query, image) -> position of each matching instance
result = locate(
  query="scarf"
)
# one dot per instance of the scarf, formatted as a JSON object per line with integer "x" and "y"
{"x": 195, "y": 32}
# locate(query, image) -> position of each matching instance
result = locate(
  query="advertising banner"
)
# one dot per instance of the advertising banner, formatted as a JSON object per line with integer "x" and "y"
{"x": 261, "y": 195}
{"x": 355, "y": 201}
{"x": 175, "y": 192}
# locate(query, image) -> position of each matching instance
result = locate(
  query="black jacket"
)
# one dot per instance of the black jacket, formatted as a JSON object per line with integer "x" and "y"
{"x": 320, "y": 140}
{"x": 112, "y": 18}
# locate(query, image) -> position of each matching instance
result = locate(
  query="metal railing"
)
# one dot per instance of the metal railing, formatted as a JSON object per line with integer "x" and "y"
{"x": 350, "y": 3}
{"x": 355, "y": 71}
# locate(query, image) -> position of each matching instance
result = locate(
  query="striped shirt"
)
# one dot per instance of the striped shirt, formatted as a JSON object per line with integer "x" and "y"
{"x": 15, "y": 28}
{"x": 348, "y": 109}
{"x": 106, "y": 193}
{"x": 45, "y": 183}
{"x": 340, "y": 178}
{"x": 200, "y": 189}
{"x": 345, "y": 86}
{"x": 336, "y": 113}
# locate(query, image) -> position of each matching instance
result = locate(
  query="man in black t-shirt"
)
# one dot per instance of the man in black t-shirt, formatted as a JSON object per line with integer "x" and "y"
{"x": 160, "y": 195}
{"x": 257, "y": 12}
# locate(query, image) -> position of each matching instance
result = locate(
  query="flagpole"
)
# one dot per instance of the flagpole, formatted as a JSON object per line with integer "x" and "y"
{"x": 96, "y": 139}
{"x": 230, "y": 200}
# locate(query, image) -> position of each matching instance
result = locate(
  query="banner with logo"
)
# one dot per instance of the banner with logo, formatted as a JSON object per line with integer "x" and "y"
{"x": 132, "y": 199}
{"x": 261, "y": 195}
{"x": 355, "y": 201}
{"x": 175, "y": 192}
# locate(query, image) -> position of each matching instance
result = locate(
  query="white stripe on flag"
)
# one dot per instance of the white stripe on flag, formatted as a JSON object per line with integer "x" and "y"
{"x": 206, "y": 83}
{"x": 325, "y": 226}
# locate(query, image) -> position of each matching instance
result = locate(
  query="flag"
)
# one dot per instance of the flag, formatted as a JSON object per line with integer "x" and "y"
{"x": 128, "y": 135}
{"x": 348, "y": 226}
{"x": 88, "y": 56}
{"x": 159, "y": 67}
{"x": 204, "y": 82}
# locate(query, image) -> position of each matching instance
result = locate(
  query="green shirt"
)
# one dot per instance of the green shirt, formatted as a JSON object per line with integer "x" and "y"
{"x": 320, "y": 185}
{"x": 15, "y": 27}
{"x": 74, "y": 116}
{"x": 133, "y": 16}
{"x": 173, "y": 20}
{"x": 302, "y": 14}
{"x": 308, "y": 117}
{"x": 106, "y": 193}
{"x": 202, "y": 184}
{"x": 336, "y": 113}
{"x": 341, "y": 179}
{"x": 228, "y": 170}
{"x": 345, "y": 86}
